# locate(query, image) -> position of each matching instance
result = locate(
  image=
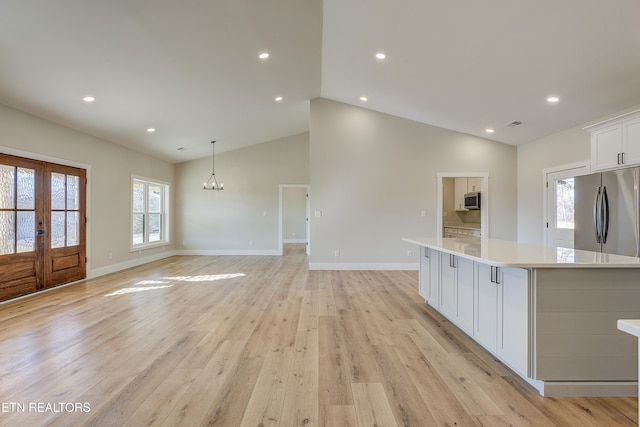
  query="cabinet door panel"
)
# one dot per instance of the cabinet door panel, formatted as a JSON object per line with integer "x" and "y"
{"x": 486, "y": 324}
{"x": 434, "y": 279}
{"x": 631, "y": 146}
{"x": 513, "y": 319}
{"x": 425, "y": 274}
{"x": 606, "y": 144}
{"x": 447, "y": 287}
{"x": 464, "y": 288}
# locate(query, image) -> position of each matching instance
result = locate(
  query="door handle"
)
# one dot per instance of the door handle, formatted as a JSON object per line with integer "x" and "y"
{"x": 40, "y": 232}
{"x": 596, "y": 206}
{"x": 605, "y": 215}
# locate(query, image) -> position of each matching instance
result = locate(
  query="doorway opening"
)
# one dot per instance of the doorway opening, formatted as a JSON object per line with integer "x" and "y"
{"x": 559, "y": 203}
{"x": 293, "y": 221}
{"x": 452, "y": 186}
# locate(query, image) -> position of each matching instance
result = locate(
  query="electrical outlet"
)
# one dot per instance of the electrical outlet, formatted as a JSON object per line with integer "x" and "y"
{"x": 409, "y": 252}
{"x": 318, "y": 214}
{"x": 336, "y": 253}
{"x": 250, "y": 242}
{"x": 423, "y": 213}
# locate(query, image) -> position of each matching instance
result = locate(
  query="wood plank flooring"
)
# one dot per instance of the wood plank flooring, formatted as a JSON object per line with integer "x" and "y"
{"x": 259, "y": 341}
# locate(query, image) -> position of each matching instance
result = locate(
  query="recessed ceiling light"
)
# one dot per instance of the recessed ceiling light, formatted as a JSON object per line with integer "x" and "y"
{"x": 380, "y": 55}
{"x": 278, "y": 98}
{"x": 363, "y": 98}
{"x": 151, "y": 130}
{"x": 553, "y": 99}
{"x": 89, "y": 99}
{"x": 263, "y": 55}
{"x": 489, "y": 130}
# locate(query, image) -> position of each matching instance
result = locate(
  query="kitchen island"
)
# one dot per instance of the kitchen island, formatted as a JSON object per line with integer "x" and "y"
{"x": 548, "y": 313}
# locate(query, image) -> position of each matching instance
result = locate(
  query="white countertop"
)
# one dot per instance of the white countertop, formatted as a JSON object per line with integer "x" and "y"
{"x": 506, "y": 253}
{"x": 463, "y": 227}
{"x": 630, "y": 326}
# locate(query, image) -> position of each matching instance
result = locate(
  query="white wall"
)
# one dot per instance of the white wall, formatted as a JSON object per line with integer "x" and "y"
{"x": 372, "y": 174}
{"x": 109, "y": 188}
{"x": 228, "y": 221}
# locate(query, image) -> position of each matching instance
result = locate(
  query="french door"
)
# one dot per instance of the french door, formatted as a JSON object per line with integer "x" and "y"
{"x": 42, "y": 225}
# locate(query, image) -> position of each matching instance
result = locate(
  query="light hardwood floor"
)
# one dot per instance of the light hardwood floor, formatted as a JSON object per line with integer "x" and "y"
{"x": 259, "y": 341}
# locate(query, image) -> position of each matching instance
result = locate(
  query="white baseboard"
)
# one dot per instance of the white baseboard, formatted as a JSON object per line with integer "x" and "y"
{"x": 294, "y": 241}
{"x": 97, "y": 272}
{"x": 362, "y": 266}
{"x": 229, "y": 252}
{"x": 588, "y": 388}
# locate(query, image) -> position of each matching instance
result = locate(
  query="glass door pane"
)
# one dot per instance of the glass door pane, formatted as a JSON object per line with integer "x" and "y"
{"x": 564, "y": 203}
{"x": 65, "y": 210}
{"x": 17, "y": 209}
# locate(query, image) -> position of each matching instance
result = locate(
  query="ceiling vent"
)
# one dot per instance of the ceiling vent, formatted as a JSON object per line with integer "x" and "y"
{"x": 513, "y": 124}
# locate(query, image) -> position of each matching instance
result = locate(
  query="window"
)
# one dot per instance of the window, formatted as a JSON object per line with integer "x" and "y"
{"x": 564, "y": 203}
{"x": 149, "y": 213}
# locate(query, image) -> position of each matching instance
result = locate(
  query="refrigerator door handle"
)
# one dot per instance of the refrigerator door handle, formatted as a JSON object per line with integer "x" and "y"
{"x": 605, "y": 215}
{"x": 636, "y": 209}
{"x": 596, "y": 225}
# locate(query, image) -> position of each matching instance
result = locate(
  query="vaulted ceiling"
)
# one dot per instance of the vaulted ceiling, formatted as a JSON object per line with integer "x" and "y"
{"x": 190, "y": 69}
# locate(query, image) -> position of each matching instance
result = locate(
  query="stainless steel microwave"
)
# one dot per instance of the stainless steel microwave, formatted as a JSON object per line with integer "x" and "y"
{"x": 472, "y": 200}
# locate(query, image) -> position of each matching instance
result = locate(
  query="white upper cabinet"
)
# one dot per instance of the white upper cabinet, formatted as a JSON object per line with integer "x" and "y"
{"x": 473, "y": 184}
{"x": 463, "y": 186}
{"x": 616, "y": 142}
{"x": 460, "y": 189}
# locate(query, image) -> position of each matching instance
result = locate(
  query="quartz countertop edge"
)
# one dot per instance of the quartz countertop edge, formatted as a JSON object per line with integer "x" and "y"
{"x": 630, "y": 326}
{"x": 507, "y": 253}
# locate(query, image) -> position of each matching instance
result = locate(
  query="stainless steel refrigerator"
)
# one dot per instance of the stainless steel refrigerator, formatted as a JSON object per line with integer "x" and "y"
{"x": 606, "y": 215}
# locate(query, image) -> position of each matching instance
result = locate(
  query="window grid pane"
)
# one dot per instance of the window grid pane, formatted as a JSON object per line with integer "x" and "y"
{"x": 73, "y": 193}
{"x": 155, "y": 198}
{"x": 26, "y": 189}
{"x": 7, "y": 232}
{"x": 73, "y": 228}
{"x": 138, "y": 229}
{"x": 155, "y": 231}
{"x": 7, "y": 187}
{"x": 58, "y": 191}
{"x": 26, "y": 231}
{"x": 58, "y": 222}
{"x": 138, "y": 196}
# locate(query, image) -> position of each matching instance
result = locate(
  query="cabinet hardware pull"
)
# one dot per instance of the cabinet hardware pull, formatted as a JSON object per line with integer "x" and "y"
{"x": 497, "y": 275}
{"x": 426, "y": 252}
{"x": 618, "y": 158}
{"x": 622, "y": 156}
{"x": 493, "y": 274}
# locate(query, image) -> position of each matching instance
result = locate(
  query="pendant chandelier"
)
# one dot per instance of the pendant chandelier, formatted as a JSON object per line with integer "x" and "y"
{"x": 212, "y": 182}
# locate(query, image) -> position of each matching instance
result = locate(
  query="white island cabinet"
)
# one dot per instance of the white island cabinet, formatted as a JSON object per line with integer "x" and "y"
{"x": 548, "y": 313}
